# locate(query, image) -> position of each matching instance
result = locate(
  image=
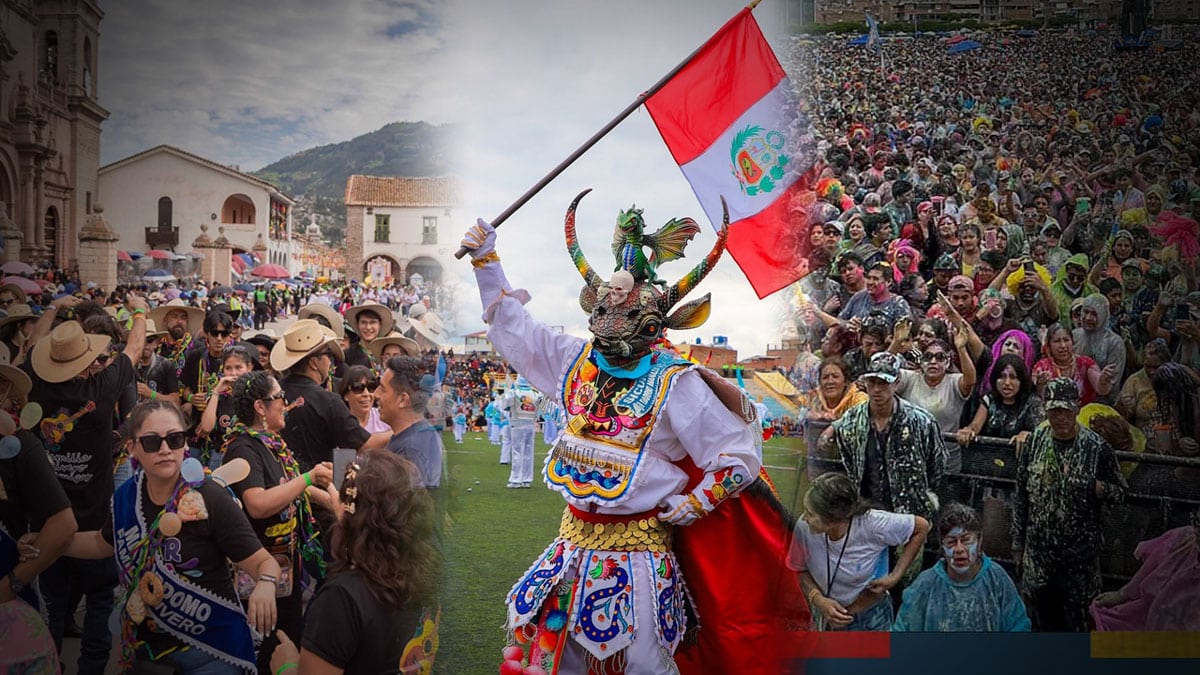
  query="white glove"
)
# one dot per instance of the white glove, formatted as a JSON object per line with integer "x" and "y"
{"x": 680, "y": 510}
{"x": 480, "y": 240}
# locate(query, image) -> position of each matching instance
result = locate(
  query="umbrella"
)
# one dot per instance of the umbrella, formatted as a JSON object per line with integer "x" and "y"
{"x": 964, "y": 46}
{"x": 1025, "y": 32}
{"x": 17, "y": 267}
{"x": 159, "y": 254}
{"x": 245, "y": 288}
{"x": 26, "y": 285}
{"x": 124, "y": 256}
{"x": 222, "y": 290}
{"x": 860, "y": 40}
{"x": 135, "y": 254}
{"x": 158, "y": 275}
{"x": 269, "y": 271}
{"x": 956, "y": 39}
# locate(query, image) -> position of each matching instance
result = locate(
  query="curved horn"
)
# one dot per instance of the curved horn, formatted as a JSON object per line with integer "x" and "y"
{"x": 589, "y": 275}
{"x": 685, "y": 285}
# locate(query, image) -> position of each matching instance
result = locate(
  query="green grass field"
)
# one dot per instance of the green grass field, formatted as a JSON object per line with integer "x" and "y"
{"x": 494, "y": 534}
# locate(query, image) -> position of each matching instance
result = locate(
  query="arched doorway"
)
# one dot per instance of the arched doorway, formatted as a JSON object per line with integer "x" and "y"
{"x": 51, "y": 235}
{"x": 238, "y": 209}
{"x": 381, "y": 270}
{"x": 429, "y": 269}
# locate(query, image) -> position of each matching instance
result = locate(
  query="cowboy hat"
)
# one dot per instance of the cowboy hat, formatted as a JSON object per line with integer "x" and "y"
{"x": 317, "y": 308}
{"x": 195, "y": 315}
{"x": 21, "y": 384}
{"x": 152, "y": 329}
{"x": 18, "y": 312}
{"x": 408, "y": 346}
{"x": 66, "y": 352}
{"x": 385, "y": 316}
{"x": 265, "y": 337}
{"x": 15, "y": 290}
{"x": 301, "y": 339}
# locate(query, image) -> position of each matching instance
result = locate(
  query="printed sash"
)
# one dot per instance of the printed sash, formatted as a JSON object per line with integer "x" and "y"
{"x": 191, "y": 614}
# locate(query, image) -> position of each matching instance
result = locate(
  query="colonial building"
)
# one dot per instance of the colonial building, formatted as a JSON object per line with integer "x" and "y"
{"x": 158, "y": 198}
{"x": 312, "y": 255}
{"x": 396, "y": 227}
{"x": 49, "y": 127}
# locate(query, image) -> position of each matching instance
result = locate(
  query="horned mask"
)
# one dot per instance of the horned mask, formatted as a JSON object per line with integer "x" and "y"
{"x": 632, "y": 310}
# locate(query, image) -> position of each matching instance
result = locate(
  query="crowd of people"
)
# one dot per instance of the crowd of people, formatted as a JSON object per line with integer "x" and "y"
{"x": 1001, "y": 244}
{"x": 153, "y": 445}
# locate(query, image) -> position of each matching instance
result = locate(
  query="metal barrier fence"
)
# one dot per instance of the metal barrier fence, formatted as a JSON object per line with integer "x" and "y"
{"x": 1163, "y": 491}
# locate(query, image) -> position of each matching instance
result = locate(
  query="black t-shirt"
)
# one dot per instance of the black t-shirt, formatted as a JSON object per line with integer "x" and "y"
{"x": 197, "y": 365}
{"x": 275, "y": 532}
{"x": 159, "y": 375}
{"x": 81, "y": 448}
{"x": 349, "y": 627}
{"x": 323, "y": 423}
{"x": 226, "y": 417}
{"x": 29, "y": 491}
{"x": 201, "y": 548}
{"x": 357, "y": 355}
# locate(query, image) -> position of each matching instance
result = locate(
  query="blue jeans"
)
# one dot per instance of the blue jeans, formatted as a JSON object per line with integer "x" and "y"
{"x": 878, "y": 617}
{"x": 97, "y": 579}
{"x": 195, "y": 662}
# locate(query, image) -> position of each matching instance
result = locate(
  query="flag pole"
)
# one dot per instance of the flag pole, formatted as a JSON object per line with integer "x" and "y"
{"x": 587, "y": 145}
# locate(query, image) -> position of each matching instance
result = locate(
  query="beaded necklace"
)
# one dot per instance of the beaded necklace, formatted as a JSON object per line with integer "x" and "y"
{"x": 178, "y": 351}
{"x": 310, "y": 544}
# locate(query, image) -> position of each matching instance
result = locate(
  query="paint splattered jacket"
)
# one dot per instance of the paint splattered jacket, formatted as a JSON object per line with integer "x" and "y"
{"x": 1056, "y": 508}
{"x": 914, "y": 456}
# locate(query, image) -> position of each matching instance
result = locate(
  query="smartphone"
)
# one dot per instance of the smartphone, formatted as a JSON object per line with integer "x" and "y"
{"x": 342, "y": 458}
{"x": 989, "y": 240}
{"x": 1183, "y": 311}
{"x": 1029, "y": 267}
{"x": 1082, "y": 205}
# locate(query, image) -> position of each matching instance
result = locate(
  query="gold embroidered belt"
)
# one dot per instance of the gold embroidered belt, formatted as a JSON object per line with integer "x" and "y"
{"x": 635, "y": 532}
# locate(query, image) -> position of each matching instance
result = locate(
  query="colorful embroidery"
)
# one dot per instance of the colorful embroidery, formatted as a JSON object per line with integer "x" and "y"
{"x": 604, "y": 620}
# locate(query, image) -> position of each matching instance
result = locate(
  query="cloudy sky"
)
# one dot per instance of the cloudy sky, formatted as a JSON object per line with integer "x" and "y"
{"x": 527, "y": 80}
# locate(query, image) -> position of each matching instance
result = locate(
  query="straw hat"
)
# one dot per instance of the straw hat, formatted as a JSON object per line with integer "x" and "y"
{"x": 302, "y": 338}
{"x": 66, "y": 352}
{"x": 152, "y": 329}
{"x": 21, "y": 312}
{"x": 21, "y": 384}
{"x": 15, "y": 290}
{"x": 330, "y": 314}
{"x": 408, "y": 346}
{"x": 385, "y": 316}
{"x": 195, "y": 315}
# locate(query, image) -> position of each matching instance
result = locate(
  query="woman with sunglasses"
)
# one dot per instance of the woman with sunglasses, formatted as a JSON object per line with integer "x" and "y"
{"x": 276, "y": 497}
{"x": 172, "y": 534}
{"x": 940, "y": 392}
{"x": 358, "y": 391}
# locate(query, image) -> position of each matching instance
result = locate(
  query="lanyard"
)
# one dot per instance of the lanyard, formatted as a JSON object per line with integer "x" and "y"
{"x": 834, "y": 570}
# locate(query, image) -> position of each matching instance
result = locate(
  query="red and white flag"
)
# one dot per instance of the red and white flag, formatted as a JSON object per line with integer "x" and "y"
{"x": 734, "y": 126}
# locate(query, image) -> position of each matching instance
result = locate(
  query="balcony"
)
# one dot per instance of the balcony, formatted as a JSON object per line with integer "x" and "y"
{"x": 167, "y": 238}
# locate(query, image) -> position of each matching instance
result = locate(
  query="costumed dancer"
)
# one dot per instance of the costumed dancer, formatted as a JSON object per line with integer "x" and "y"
{"x": 652, "y": 441}
{"x": 489, "y": 415}
{"x": 460, "y": 422}
{"x": 504, "y": 425}
{"x": 521, "y": 407}
{"x": 551, "y": 421}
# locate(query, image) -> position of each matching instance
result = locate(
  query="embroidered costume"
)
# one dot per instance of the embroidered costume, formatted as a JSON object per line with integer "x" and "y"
{"x": 648, "y": 443}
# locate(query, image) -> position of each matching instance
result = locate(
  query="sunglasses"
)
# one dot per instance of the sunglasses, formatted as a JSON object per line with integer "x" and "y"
{"x": 360, "y": 387}
{"x": 278, "y": 396}
{"x": 220, "y": 333}
{"x": 930, "y": 357}
{"x": 151, "y": 443}
{"x": 102, "y": 359}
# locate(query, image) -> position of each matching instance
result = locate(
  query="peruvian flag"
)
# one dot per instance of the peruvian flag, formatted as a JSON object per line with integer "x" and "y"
{"x": 734, "y": 126}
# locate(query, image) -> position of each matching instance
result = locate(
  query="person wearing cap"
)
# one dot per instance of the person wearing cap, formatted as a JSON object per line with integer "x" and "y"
{"x": 305, "y": 354}
{"x": 370, "y": 320}
{"x": 36, "y": 524}
{"x": 263, "y": 341}
{"x": 890, "y": 448}
{"x": 945, "y": 268}
{"x": 77, "y": 382}
{"x": 1065, "y": 476}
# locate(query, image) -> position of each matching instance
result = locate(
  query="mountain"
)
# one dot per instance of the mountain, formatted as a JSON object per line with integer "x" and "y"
{"x": 317, "y": 177}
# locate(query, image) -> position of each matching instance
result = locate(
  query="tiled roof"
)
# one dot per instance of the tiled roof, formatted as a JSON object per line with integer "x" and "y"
{"x": 394, "y": 191}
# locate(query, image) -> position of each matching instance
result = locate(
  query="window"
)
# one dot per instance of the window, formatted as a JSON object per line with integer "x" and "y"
{"x": 429, "y": 230}
{"x": 164, "y": 213}
{"x": 383, "y": 227}
{"x": 50, "y": 57}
